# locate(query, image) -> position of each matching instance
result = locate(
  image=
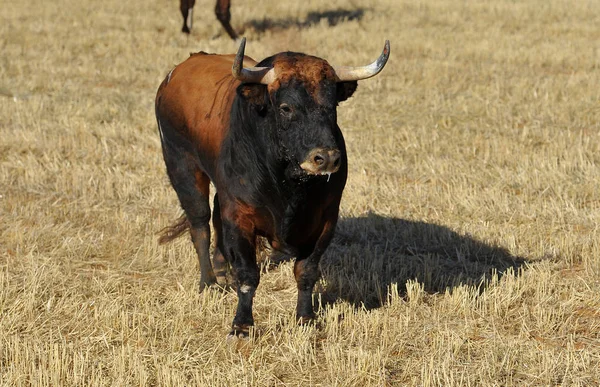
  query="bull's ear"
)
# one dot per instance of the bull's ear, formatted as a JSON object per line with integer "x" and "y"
{"x": 254, "y": 93}
{"x": 345, "y": 90}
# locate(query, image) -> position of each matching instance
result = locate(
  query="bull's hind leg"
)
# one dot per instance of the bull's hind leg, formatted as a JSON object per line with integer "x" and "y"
{"x": 220, "y": 264}
{"x": 192, "y": 188}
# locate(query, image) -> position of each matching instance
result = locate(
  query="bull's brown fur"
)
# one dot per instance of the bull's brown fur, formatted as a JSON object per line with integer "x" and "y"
{"x": 310, "y": 70}
{"x": 205, "y": 110}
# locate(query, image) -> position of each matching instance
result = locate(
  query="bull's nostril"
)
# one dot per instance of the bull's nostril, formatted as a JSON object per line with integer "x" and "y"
{"x": 322, "y": 160}
{"x": 319, "y": 159}
{"x": 335, "y": 158}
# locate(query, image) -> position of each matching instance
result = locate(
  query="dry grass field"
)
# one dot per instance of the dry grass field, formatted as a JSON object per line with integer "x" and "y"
{"x": 468, "y": 250}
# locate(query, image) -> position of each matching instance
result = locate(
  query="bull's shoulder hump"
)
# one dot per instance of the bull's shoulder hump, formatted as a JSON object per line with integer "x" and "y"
{"x": 205, "y": 71}
{"x": 203, "y": 57}
{"x": 200, "y": 53}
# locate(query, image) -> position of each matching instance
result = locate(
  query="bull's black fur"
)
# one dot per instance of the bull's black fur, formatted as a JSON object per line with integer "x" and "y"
{"x": 260, "y": 161}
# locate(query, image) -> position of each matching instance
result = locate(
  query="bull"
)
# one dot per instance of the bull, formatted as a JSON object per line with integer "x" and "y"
{"x": 267, "y": 137}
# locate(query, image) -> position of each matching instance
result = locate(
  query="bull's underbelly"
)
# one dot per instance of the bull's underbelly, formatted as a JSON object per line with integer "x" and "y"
{"x": 298, "y": 232}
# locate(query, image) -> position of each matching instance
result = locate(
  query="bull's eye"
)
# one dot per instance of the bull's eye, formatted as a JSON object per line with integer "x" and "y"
{"x": 286, "y": 110}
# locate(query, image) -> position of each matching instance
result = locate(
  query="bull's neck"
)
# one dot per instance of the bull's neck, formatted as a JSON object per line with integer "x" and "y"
{"x": 251, "y": 160}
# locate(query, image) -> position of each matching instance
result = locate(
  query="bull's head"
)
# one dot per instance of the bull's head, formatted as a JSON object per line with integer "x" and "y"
{"x": 298, "y": 95}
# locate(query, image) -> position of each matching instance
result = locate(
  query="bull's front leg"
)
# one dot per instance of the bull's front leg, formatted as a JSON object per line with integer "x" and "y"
{"x": 239, "y": 248}
{"x": 307, "y": 273}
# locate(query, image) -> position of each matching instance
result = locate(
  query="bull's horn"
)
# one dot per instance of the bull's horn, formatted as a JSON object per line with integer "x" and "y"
{"x": 264, "y": 75}
{"x": 346, "y": 73}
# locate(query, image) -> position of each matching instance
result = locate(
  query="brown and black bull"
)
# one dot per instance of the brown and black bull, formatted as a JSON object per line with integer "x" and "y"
{"x": 267, "y": 138}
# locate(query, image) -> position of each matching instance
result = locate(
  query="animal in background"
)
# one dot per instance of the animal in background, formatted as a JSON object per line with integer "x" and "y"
{"x": 221, "y": 11}
{"x": 267, "y": 137}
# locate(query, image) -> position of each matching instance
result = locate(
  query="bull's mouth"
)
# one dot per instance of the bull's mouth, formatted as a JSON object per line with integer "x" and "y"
{"x": 299, "y": 174}
{"x": 313, "y": 172}
{"x": 318, "y": 174}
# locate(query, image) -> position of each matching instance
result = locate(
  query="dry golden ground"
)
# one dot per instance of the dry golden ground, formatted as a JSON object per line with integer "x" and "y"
{"x": 468, "y": 252}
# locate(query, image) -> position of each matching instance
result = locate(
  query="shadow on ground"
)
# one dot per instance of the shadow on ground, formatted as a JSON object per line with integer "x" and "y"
{"x": 370, "y": 253}
{"x": 332, "y": 18}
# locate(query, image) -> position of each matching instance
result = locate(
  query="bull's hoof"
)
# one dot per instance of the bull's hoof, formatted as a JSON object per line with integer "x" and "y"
{"x": 207, "y": 284}
{"x": 239, "y": 331}
{"x": 223, "y": 280}
{"x": 306, "y": 320}
{"x": 185, "y": 29}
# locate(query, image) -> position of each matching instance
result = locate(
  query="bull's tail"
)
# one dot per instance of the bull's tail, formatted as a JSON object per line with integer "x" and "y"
{"x": 174, "y": 231}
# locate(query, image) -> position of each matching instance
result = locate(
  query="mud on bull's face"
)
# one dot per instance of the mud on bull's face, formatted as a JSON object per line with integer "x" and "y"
{"x": 306, "y": 126}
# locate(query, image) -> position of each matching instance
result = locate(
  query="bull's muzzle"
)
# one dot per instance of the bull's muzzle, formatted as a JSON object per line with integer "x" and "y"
{"x": 322, "y": 161}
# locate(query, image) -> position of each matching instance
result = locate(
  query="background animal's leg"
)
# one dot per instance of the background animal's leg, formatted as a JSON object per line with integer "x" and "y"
{"x": 224, "y": 16}
{"x": 187, "y": 11}
{"x": 240, "y": 250}
{"x": 306, "y": 271}
{"x": 220, "y": 264}
{"x": 192, "y": 188}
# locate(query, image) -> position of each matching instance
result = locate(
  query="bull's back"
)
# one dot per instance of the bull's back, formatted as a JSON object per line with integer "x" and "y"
{"x": 195, "y": 101}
